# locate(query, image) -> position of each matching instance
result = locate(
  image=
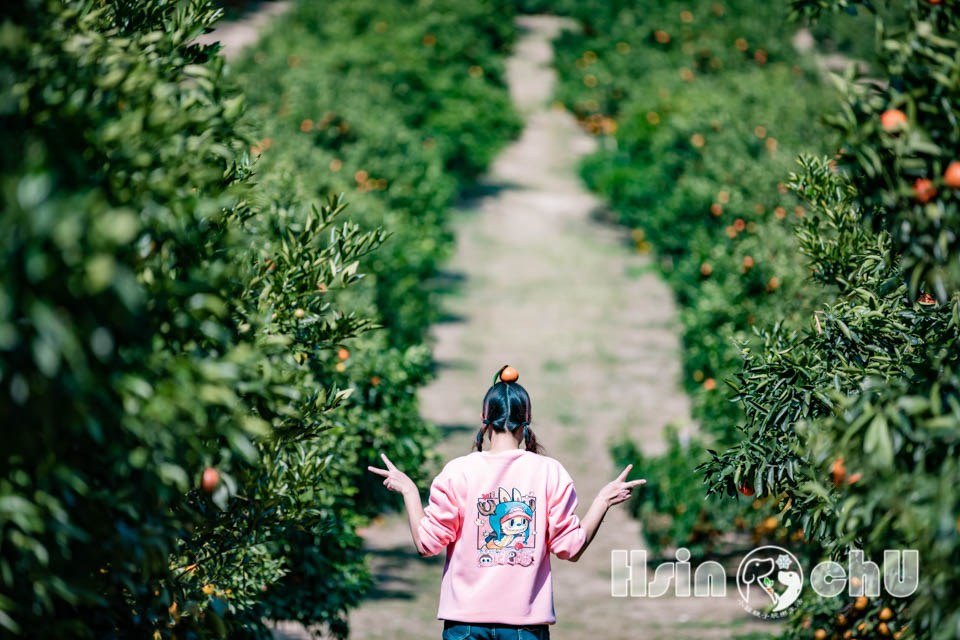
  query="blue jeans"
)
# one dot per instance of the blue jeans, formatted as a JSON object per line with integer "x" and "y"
{"x": 453, "y": 630}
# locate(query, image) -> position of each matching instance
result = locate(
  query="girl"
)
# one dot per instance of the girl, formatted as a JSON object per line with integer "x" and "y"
{"x": 498, "y": 513}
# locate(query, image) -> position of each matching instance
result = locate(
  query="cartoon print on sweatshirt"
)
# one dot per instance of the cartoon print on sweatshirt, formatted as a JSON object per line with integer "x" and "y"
{"x": 506, "y": 528}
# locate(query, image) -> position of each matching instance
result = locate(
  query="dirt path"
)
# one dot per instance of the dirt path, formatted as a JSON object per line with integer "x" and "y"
{"x": 235, "y": 35}
{"x": 591, "y": 328}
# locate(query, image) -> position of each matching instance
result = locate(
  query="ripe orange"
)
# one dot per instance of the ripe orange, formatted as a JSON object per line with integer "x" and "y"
{"x": 820, "y": 634}
{"x": 746, "y": 490}
{"x": 883, "y": 629}
{"x": 706, "y": 269}
{"x": 210, "y": 480}
{"x": 893, "y": 120}
{"x": 923, "y": 190}
{"x": 861, "y": 603}
{"x": 862, "y": 626}
{"x": 509, "y": 374}
{"x": 886, "y": 613}
{"x": 854, "y": 477}
{"x": 926, "y": 298}
{"x": 343, "y": 354}
{"x": 709, "y": 384}
{"x": 838, "y": 471}
{"x": 952, "y": 175}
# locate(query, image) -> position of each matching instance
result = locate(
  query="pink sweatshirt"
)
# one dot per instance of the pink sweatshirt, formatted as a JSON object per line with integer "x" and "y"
{"x": 498, "y": 515}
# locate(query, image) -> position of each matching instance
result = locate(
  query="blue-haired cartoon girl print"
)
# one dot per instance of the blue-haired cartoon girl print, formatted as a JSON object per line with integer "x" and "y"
{"x": 506, "y": 528}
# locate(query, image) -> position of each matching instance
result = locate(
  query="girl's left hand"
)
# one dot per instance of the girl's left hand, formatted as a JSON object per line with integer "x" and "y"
{"x": 394, "y": 479}
{"x": 619, "y": 490}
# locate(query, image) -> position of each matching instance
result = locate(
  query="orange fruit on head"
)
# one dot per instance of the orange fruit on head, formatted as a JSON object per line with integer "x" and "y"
{"x": 952, "y": 175}
{"x": 893, "y": 120}
{"x": 923, "y": 190}
{"x": 509, "y": 374}
{"x": 210, "y": 480}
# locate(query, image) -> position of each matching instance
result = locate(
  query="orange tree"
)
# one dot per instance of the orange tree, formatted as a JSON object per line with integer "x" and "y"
{"x": 189, "y": 382}
{"x": 155, "y": 324}
{"x": 845, "y": 426}
{"x": 861, "y": 401}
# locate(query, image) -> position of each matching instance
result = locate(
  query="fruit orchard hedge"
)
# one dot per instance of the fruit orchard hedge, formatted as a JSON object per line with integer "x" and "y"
{"x": 849, "y": 415}
{"x": 171, "y": 304}
{"x": 705, "y": 106}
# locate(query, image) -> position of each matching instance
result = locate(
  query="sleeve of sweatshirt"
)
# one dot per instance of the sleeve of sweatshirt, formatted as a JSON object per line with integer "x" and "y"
{"x": 565, "y": 536}
{"x": 441, "y": 522}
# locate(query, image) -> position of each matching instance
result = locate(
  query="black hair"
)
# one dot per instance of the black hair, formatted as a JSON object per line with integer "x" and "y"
{"x": 506, "y": 407}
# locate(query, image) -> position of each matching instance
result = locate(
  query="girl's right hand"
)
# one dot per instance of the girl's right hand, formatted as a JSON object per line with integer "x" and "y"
{"x": 619, "y": 490}
{"x": 394, "y": 479}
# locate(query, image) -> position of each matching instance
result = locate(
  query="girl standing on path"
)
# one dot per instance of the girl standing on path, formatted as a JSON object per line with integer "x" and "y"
{"x": 499, "y": 514}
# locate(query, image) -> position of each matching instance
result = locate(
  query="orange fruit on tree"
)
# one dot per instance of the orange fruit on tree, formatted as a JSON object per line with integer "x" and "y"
{"x": 861, "y": 603}
{"x": 343, "y": 354}
{"x": 893, "y": 120}
{"x": 820, "y": 634}
{"x": 746, "y": 489}
{"x": 923, "y": 190}
{"x": 886, "y": 613}
{"x": 883, "y": 629}
{"x": 952, "y": 175}
{"x": 709, "y": 384}
{"x": 838, "y": 471}
{"x": 210, "y": 479}
{"x": 862, "y": 626}
{"x": 848, "y": 634}
{"x": 509, "y": 374}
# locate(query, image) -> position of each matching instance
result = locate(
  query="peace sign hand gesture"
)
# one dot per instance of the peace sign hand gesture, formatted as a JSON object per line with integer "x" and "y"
{"x": 394, "y": 479}
{"x": 619, "y": 490}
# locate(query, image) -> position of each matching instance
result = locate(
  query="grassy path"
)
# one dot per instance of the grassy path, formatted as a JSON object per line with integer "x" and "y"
{"x": 590, "y": 326}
